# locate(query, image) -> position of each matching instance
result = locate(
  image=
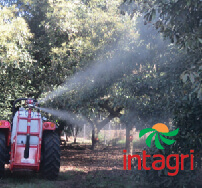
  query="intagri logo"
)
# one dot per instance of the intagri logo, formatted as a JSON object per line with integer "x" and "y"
{"x": 159, "y": 130}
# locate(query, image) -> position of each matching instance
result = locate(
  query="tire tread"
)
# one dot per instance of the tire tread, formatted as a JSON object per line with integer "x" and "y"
{"x": 2, "y": 153}
{"x": 50, "y": 164}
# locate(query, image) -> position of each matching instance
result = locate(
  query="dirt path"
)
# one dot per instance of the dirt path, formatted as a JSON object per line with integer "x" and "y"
{"x": 86, "y": 160}
{"x": 81, "y": 168}
{"x": 95, "y": 168}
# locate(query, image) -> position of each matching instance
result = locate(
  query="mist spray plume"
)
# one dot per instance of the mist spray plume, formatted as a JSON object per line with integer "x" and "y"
{"x": 112, "y": 68}
{"x": 69, "y": 117}
{"x": 93, "y": 75}
{"x": 101, "y": 73}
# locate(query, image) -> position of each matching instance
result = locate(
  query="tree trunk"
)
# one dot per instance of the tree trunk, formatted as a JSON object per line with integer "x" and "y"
{"x": 75, "y": 134}
{"x": 129, "y": 139}
{"x": 131, "y": 142}
{"x": 94, "y": 138}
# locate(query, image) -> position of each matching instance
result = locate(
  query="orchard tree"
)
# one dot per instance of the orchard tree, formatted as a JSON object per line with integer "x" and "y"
{"x": 17, "y": 64}
{"x": 180, "y": 21}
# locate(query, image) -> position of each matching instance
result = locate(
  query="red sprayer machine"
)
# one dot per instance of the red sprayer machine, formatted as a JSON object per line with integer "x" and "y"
{"x": 29, "y": 143}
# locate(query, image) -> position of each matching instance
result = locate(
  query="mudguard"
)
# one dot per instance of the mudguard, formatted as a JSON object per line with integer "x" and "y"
{"x": 6, "y": 127}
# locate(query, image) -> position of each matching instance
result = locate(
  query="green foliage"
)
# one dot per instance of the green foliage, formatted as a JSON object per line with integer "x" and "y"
{"x": 17, "y": 64}
{"x": 134, "y": 74}
{"x": 180, "y": 21}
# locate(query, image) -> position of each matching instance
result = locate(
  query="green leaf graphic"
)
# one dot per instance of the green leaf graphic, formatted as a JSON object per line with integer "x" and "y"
{"x": 157, "y": 142}
{"x": 172, "y": 133}
{"x": 167, "y": 141}
{"x": 149, "y": 139}
{"x": 144, "y": 131}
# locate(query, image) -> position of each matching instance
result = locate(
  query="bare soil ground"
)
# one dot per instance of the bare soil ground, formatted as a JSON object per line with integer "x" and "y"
{"x": 80, "y": 168}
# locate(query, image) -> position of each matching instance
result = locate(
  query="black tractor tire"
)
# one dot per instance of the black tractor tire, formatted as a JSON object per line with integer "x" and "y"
{"x": 50, "y": 155}
{"x": 3, "y": 152}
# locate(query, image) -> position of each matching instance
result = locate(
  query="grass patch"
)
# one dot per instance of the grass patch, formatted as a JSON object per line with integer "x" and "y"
{"x": 140, "y": 143}
{"x": 121, "y": 142}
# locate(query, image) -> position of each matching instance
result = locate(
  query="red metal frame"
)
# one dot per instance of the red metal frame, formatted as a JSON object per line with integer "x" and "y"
{"x": 17, "y": 160}
{"x": 17, "y": 150}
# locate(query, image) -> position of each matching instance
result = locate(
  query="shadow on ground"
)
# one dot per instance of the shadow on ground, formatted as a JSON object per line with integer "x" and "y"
{"x": 82, "y": 168}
